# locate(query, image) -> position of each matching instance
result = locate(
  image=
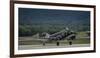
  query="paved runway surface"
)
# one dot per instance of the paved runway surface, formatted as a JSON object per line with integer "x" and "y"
{"x": 25, "y": 47}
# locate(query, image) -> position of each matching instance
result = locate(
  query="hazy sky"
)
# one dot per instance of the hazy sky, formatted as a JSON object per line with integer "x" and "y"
{"x": 49, "y": 15}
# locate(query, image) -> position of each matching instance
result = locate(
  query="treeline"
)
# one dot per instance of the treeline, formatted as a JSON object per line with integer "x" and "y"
{"x": 29, "y": 30}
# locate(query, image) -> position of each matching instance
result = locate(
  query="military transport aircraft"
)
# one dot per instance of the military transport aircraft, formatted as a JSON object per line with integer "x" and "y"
{"x": 61, "y": 35}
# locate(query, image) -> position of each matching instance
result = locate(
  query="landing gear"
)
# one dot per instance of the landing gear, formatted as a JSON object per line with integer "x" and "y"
{"x": 43, "y": 43}
{"x": 58, "y": 43}
{"x": 70, "y": 43}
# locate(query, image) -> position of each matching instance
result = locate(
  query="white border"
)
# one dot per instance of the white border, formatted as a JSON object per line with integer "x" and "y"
{"x": 50, "y": 50}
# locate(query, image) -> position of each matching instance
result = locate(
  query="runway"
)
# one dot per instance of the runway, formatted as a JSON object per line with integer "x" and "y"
{"x": 48, "y": 46}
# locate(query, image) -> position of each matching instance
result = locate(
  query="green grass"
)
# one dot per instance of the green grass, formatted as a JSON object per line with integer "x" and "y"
{"x": 77, "y": 41}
